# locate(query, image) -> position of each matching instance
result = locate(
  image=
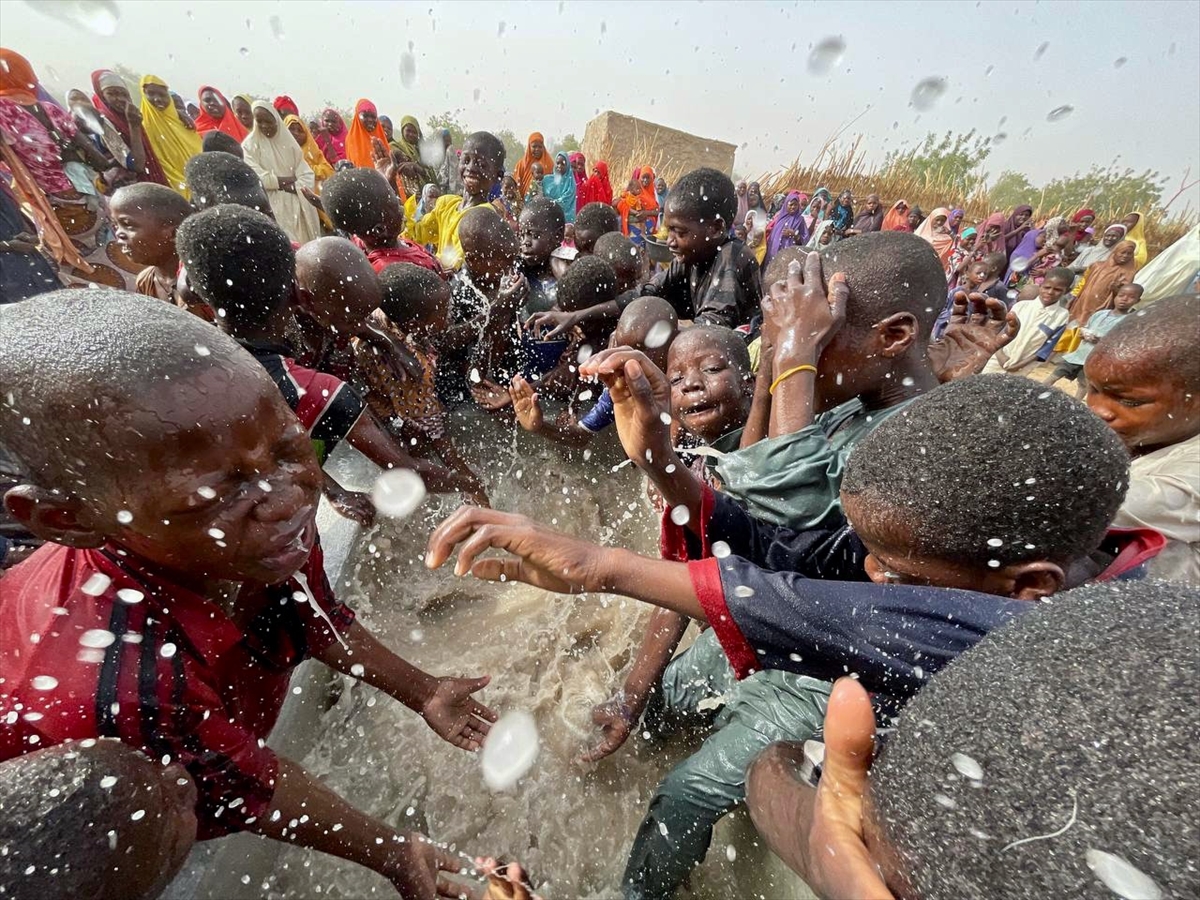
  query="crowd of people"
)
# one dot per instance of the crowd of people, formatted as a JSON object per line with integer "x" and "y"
{"x": 199, "y": 302}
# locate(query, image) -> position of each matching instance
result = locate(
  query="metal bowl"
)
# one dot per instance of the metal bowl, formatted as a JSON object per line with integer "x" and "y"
{"x": 658, "y": 252}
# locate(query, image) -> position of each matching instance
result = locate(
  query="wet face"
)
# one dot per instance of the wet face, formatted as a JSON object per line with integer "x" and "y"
{"x": 244, "y": 112}
{"x": 211, "y": 104}
{"x": 977, "y": 274}
{"x": 690, "y": 240}
{"x": 710, "y": 395}
{"x": 537, "y": 239}
{"x": 117, "y": 98}
{"x": 265, "y": 123}
{"x": 478, "y": 170}
{"x": 142, "y": 234}
{"x": 159, "y": 96}
{"x": 369, "y": 119}
{"x": 792, "y": 206}
{"x": 1052, "y": 290}
{"x": 537, "y": 149}
{"x": 297, "y": 131}
{"x": 1147, "y": 409}
{"x": 509, "y": 188}
{"x": 537, "y": 171}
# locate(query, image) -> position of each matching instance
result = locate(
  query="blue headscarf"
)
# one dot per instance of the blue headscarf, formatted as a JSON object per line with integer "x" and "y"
{"x": 824, "y": 194}
{"x": 561, "y": 188}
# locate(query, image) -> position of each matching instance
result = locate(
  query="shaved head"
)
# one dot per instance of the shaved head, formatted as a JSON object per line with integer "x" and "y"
{"x": 340, "y": 281}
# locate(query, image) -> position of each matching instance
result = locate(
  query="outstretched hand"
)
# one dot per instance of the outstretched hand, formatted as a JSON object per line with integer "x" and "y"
{"x": 457, "y": 717}
{"x": 616, "y": 720}
{"x": 972, "y": 337}
{"x": 551, "y": 324}
{"x": 641, "y": 398}
{"x": 354, "y": 505}
{"x": 526, "y": 405}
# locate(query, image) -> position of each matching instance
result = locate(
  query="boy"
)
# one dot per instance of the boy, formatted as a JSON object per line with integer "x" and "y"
{"x": 219, "y": 142}
{"x": 541, "y": 232}
{"x": 1098, "y": 324}
{"x": 216, "y": 178}
{"x": 416, "y": 309}
{"x": 714, "y": 280}
{"x": 973, "y": 535}
{"x": 481, "y": 164}
{"x": 145, "y": 217}
{"x": 591, "y": 223}
{"x": 184, "y": 558}
{"x": 537, "y": 172}
{"x": 982, "y": 277}
{"x": 1040, "y": 320}
{"x": 648, "y": 324}
{"x": 708, "y": 369}
{"x": 1143, "y": 380}
{"x": 360, "y": 203}
{"x": 1034, "y": 766}
{"x": 93, "y": 819}
{"x": 219, "y": 246}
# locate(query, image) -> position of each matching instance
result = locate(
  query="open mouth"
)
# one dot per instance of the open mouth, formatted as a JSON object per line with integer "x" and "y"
{"x": 290, "y": 551}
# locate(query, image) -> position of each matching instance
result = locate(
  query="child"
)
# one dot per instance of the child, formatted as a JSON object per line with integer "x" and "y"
{"x": 219, "y": 142}
{"x": 360, "y": 203}
{"x": 1143, "y": 380}
{"x": 510, "y": 191}
{"x": 648, "y": 324}
{"x": 1014, "y": 741}
{"x": 593, "y": 221}
{"x": 145, "y": 217}
{"x": 947, "y": 566}
{"x": 216, "y": 178}
{"x": 1041, "y": 319}
{"x": 629, "y": 208}
{"x": 982, "y": 277}
{"x": 714, "y": 280}
{"x": 1099, "y": 324}
{"x": 708, "y": 368}
{"x": 93, "y": 819}
{"x": 541, "y": 233}
{"x": 538, "y": 172}
{"x": 415, "y": 308}
{"x": 960, "y": 257}
{"x": 189, "y": 540}
{"x": 568, "y": 241}
{"x": 221, "y": 244}
{"x": 480, "y": 165}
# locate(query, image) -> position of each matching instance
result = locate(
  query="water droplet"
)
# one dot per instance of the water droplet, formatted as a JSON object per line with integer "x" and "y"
{"x": 826, "y": 55}
{"x": 44, "y": 682}
{"x": 927, "y": 92}
{"x": 966, "y": 766}
{"x": 743, "y": 590}
{"x": 124, "y": 517}
{"x": 943, "y": 800}
{"x": 97, "y": 16}
{"x": 720, "y": 549}
{"x": 1119, "y": 61}
{"x": 245, "y": 51}
{"x": 1059, "y": 113}
{"x": 604, "y": 28}
{"x": 993, "y": 563}
{"x": 357, "y": 670}
{"x": 167, "y": 650}
{"x": 201, "y": 350}
{"x": 408, "y": 69}
{"x": 1121, "y": 877}
{"x": 730, "y": 852}
{"x": 999, "y": 138}
{"x": 1041, "y": 50}
{"x": 398, "y": 492}
{"x": 97, "y": 638}
{"x": 138, "y": 815}
{"x": 276, "y": 24}
{"x": 475, "y": 376}
{"x": 659, "y": 334}
{"x": 108, "y": 781}
{"x": 995, "y": 542}
{"x": 96, "y": 585}
{"x": 680, "y": 515}
{"x": 509, "y": 750}
{"x": 216, "y": 534}
{"x": 130, "y": 595}
{"x": 500, "y": 29}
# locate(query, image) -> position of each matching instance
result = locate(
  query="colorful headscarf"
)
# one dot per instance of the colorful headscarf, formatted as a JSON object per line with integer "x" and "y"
{"x": 954, "y": 220}
{"x": 173, "y": 142}
{"x": 582, "y": 198}
{"x": 943, "y": 242}
{"x": 822, "y": 194}
{"x": 102, "y": 78}
{"x": 285, "y": 106}
{"x": 648, "y": 196}
{"x": 1014, "y": 232}
{"x": 333, "y": 143}
{"x": 743, "y": 201}
{"x": 18, "y": 83}
{"x": 598, "y": 186}
{"x": 523, "y": 171}
{"x": 228, "y": 122}
{"x": 1101, "y": 281}
{"x": 784, "y": 221}
{"x": 1137, "y": 234}
{"x": 561, "y": 188}
{"x": 896, "y": 218}
{"x": 312, "y": 152}
{"x": 358, "y": 140}
{"x": 995, "y": 245}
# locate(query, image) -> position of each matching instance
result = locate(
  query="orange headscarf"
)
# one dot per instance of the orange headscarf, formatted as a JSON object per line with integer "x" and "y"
{"x": 648, "y": 197}
{"x": 17, "y": 81}
{"x": 312, "y": 153}
{"x": 523, "y": 172}
{"x": 358, "y": 139}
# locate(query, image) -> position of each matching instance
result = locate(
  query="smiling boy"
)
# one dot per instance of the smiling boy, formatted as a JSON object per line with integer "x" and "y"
{"x": 146, "y": 216}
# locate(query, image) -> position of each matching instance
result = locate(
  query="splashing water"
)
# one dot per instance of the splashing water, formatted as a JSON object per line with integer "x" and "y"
{"x": 927, "y": 92}
{"x": 826, "y": 55}
{"x": 1059, "y": 113}
{"x": 510, "y": 750}
{"x": 1121, "y": 877}
{"x": 97, "y": 16}
{"x": 276, "y": 24}
{"x": 398, "y": 493}
{"x": 302, "y": 580}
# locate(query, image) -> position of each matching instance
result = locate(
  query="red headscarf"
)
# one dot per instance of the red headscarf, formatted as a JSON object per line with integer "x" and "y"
{"x": 332, "y": 143}
{"x": 598, "y": 187}
{"x": 18, "y": 82}
{"x": 358, "y": 141}
{"x": 228, "y": 122}
{"x": 153, "y": 171}
{"x": 1081, "y": 231}
{"x": 285, "y": 106}
{"x": 582, "y": 195}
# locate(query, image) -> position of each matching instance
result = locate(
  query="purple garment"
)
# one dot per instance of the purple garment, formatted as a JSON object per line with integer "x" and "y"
{"x": 1014, "y": 235}
{"x": 1025, "y": 250}
{"x": 775, "y": 240}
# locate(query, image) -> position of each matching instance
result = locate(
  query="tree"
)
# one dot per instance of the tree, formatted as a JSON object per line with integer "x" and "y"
{"x": 952, "y": 162}
{"x": 514, "y": 149}
{"x": 448, "y": 120}
{"x": 1012, "y": 189}
{"x": 1104, "y": 189}
{"x": 569, "y": 142}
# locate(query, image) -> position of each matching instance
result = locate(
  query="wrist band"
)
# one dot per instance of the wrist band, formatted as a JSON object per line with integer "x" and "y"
{"x": 789, "y": 373}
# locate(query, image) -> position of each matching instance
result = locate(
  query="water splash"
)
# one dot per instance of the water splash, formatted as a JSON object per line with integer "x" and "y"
{"x": 1059, "y": 113}
{"x": 928, "y": 92}
{"x": 408, "y": 69}
{"x": 398, "y": 493}
{"x": 509, "y": 750}
{"x": 826, "y": 55}
{"x": 1121, "y": 877}
{"x": 97, "y": 16}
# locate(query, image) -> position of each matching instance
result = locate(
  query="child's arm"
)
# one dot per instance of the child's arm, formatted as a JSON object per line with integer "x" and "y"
{"x": 758, "y": 422}
{"x": 369, "y": 439}
{"x": 445, "y": 704}
{"x": 351, "y": 504}
{"x": 529, "y": 414}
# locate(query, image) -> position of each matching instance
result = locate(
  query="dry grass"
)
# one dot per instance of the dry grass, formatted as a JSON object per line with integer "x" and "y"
{"x": 838, "y": 167}
{"x": 644, "y": 152}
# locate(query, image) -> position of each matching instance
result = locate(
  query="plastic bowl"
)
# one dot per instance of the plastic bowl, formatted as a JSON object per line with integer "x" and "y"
{"x": 658, "y": 252}
{"x": 542, "y": 356}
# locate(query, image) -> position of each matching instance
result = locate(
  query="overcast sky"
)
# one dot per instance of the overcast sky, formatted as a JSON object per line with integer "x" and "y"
{"x": 735, "y": 71}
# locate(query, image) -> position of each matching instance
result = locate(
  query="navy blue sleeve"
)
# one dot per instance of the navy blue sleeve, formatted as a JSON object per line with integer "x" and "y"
{"x": 892, "y": 637}
{"x": 602, "y": 415}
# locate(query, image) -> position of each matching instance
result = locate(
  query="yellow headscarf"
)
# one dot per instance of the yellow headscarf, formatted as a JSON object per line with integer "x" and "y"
{"x": 173, "y": 142}
{"x": 312, "y": 153}
{"x": 1137, "y": 234}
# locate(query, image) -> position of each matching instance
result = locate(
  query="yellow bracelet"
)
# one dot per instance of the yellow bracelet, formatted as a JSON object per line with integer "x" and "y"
{"x": 789, "y": 373}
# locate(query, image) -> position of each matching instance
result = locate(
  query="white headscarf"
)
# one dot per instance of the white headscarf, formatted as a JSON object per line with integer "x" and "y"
{"x": 278, "y": 157}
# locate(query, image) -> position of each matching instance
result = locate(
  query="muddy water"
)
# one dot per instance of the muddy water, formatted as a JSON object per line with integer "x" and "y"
{"x": 556, "y": 657}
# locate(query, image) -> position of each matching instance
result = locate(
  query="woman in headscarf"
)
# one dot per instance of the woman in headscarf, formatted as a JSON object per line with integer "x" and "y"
{"x": 754, "y": 201}
{"x": 106, "y": 139}
{"x": 1057, "y": 241}
{"x": 954, "y": 221}
{"x": 649, "y": 201}
{"x": 1100, "y": 251}
{"x": 934, "y": 230}
{"x": 37, "y": 139}
{"x": 991, "y": 234}
{"x": 535, "y": 152}
{"x": 756, "y": 234}
{"x": 896, "y": 218}
{"x": 583, "y": 194}
{"x": 112, "y": 100}
{"x": 243, "y": 108}
{"x": 1015, "y": 227}
{"x": 817, "y": 208}
{"x": 661, "y": 191}
{"x": 364, "y": 130}
{"x": 598, "y": 186}
{"x": 285, "y": 106}
{"x": 407, "y": 143}
{"x": 279, "y": 163}
{"x": 1102, "y": 281}
{"x": 743, "y": 207}
{"x": 172, "y": 141}
{"x": 559, "y": 186}
{"x": 821, "y": 236}
{"x": 417, "y": 205}
{"x": 960, "y": 257}
{"x": 1135, "y": 230}
{"x": 1082, "y": 221}
{"x": 316, "y": 160}
{"x": 332, "y": 140}
{"x": 217, "y": 115}
{"x": 842, "y": 213}
{"x": 787, "y": 229}
{"x": 871, "y": 218}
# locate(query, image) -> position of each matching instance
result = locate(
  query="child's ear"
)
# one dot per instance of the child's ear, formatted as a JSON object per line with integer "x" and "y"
{"x": 1035, "y": 580}
{"x": 897, "y": 333}
{"x": 52, "y": 517}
